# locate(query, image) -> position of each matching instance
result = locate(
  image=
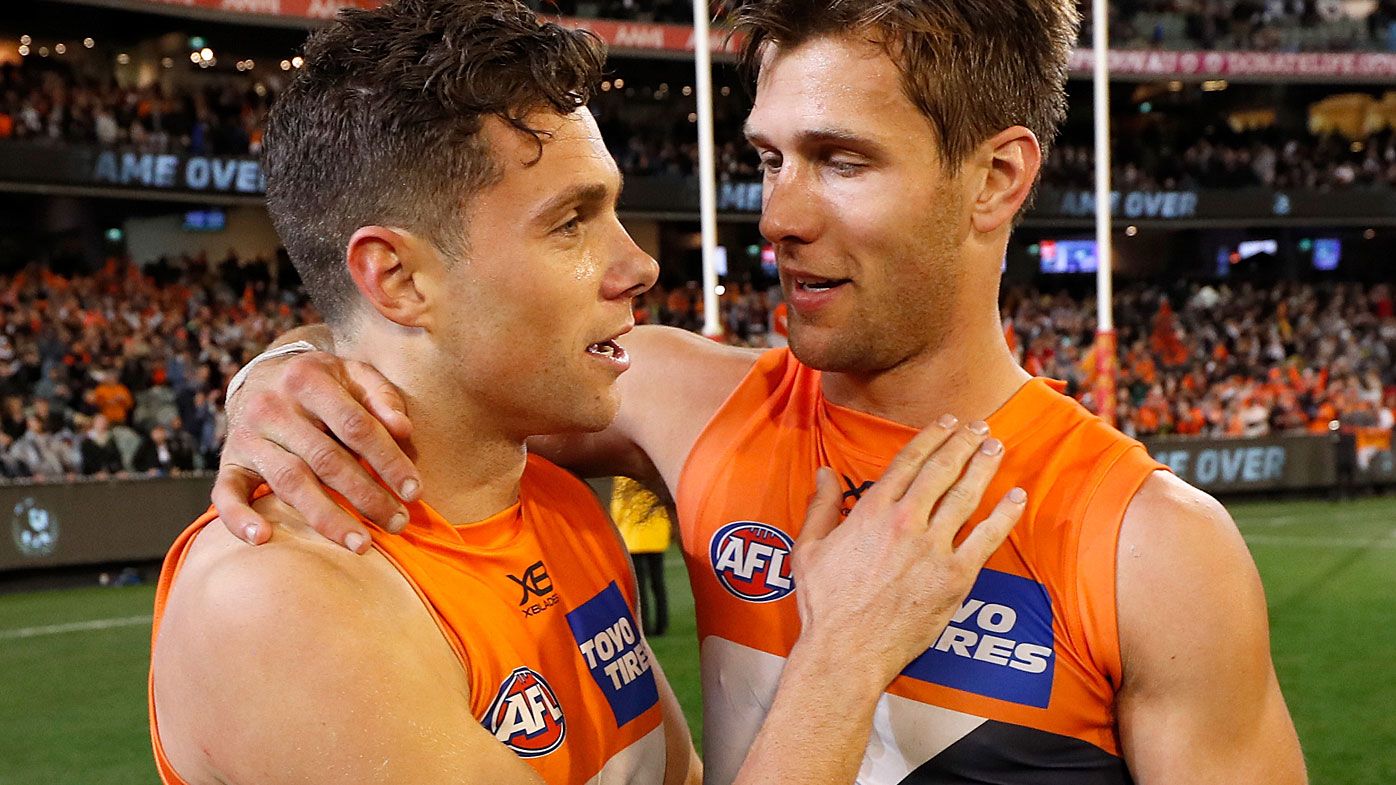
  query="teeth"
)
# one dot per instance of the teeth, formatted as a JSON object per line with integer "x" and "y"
{"x": 606, "y": 349}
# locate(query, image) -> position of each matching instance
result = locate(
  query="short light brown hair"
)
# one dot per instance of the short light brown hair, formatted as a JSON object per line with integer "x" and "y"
{"x": 382, "y": 124}
{"x": 973, "y": 67}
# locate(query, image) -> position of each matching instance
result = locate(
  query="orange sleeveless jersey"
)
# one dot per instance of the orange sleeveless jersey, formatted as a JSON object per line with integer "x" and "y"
{"x": 537, "y": 602}
{"x": 1020, "y": 687}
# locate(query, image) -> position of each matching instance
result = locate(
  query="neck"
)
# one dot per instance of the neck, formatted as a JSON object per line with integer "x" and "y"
{"x": 470, "y": 468}
{"x": 971, "y": 373}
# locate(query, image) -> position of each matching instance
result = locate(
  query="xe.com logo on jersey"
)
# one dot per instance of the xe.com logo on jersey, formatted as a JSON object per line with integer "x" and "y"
{"x": 525, "y": 715}
{"x": 752, "y": 561}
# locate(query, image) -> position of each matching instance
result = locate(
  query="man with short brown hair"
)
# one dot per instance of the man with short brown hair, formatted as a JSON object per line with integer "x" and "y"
{"x": 451, "y": 206}
{"x": 1119, "y": 635}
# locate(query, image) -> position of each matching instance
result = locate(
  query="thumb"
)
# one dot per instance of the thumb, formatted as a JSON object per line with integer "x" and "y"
{"x": 822, "y": 515}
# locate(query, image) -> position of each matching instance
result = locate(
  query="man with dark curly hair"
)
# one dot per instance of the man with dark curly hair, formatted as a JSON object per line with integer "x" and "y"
{"x": 449, "y": 203}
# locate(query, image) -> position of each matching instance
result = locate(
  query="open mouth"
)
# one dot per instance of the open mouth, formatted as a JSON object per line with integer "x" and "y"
{"x": 820, "y": 284}
{"x": 608, "y": 350}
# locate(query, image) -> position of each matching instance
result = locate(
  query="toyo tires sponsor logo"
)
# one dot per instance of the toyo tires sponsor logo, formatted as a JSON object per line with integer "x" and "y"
{"x": 752, "y": 561}
{"x": 525, "y": 715}
{"x": 999, "y": 644}
{"x": 615, "y": 653}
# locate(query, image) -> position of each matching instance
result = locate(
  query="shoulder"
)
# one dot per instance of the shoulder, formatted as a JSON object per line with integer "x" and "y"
{"x": 1185, "y": 577}
{"x": 680, "y": 355}
{"x": 677, "y": 382}
{"x": 273, "y": 633}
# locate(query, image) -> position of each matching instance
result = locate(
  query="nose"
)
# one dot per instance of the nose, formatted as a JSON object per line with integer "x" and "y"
{"x": 789, "y": 208}
{"x": 632, "y": 271}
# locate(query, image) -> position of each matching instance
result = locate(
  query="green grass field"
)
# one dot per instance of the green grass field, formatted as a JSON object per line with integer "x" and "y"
{"x": 73, "y": 663}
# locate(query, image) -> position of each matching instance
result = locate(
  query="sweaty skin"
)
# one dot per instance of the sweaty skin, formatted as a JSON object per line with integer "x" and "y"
{"x": 433, "y": 330}
{"x": 854, "y": 192}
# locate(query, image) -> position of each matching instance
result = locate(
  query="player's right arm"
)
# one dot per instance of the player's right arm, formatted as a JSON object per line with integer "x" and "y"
{"x": 301, "y": 423}
{"x": 259, "y": 681}
{"x": 861, "y": 627}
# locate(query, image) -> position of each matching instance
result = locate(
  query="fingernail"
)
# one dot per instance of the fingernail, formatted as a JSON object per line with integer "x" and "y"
{"x": 354, "y": 541}
{"x": 249, "y": 532}
{"x": 991, "y": 446}
{"x": 398, "y": 523}
{"x": 979, "y": 428}
{"x": 1017, "y": 495}
{"x": 947, "y": 421}
{"x": 409, "y": 490}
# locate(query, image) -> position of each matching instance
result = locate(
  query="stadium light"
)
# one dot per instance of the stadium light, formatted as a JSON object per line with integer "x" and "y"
{"x": 285, "y": 65}
{"x": 23, "y": 50}
{"x": 60, "y": 49}
{"x": 26, "y": 40}
{"x": 297, "y": 61}
{"x": 43, "y": 51}
{"x": 89, "y": 43}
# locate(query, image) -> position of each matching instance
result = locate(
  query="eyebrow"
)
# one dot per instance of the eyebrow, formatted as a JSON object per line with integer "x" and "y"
{"x": 581, "y": 193}
{"x": 815, "y": 136}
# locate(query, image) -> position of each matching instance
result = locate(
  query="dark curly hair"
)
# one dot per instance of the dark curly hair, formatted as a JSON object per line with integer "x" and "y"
{"x": 382, "y": 123}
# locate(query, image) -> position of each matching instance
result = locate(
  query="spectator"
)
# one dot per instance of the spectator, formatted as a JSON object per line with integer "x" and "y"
{"x": 111, "y": 398}
{"x": 53, "y": 421}
{"x": 12, "y": 419}
{"x": 161, "y": 455}
{"x": 42, "y": 455}
{"x": 98, "y": 450}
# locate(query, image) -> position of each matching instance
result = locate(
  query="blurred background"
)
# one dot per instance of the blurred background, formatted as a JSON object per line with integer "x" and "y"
{"x": 1254, "y": 258}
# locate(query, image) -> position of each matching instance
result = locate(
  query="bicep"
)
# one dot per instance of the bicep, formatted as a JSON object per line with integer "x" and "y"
{"x": 320, "y": 677}
{"x": 1199, "y": 700}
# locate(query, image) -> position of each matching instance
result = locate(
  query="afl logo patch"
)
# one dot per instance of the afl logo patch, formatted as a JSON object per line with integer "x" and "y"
{"x": 525, "y": 715}
{"x": 752, "y": 561}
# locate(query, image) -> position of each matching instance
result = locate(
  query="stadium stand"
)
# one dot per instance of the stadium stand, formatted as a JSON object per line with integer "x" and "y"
{"x": 122, "y": 370}
{"x": 650, "y": 130}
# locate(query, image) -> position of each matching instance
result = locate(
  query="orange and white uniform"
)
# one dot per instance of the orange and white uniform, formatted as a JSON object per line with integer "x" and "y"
{"x": 1020, "y": 688}
{"x": 538, "y": 603}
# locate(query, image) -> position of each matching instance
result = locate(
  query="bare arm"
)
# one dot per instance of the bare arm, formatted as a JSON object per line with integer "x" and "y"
{"x": 303, "y": 421}
{"x": 1199, "y": 701}
{"x": 319, "y": 706}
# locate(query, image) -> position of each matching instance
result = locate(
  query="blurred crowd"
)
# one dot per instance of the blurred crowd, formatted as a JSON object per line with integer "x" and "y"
{"x": 650, "y": 131}
{"x": 1252, "y": 25}
{"x": 1224, "y": 361}
{"x": 122, "y": 371}
{"x": 1233, "y": 161}
{"x": 1205, "y": 24}
{"x": 57, "y": 105}
{"x": 1199, "y": 360}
